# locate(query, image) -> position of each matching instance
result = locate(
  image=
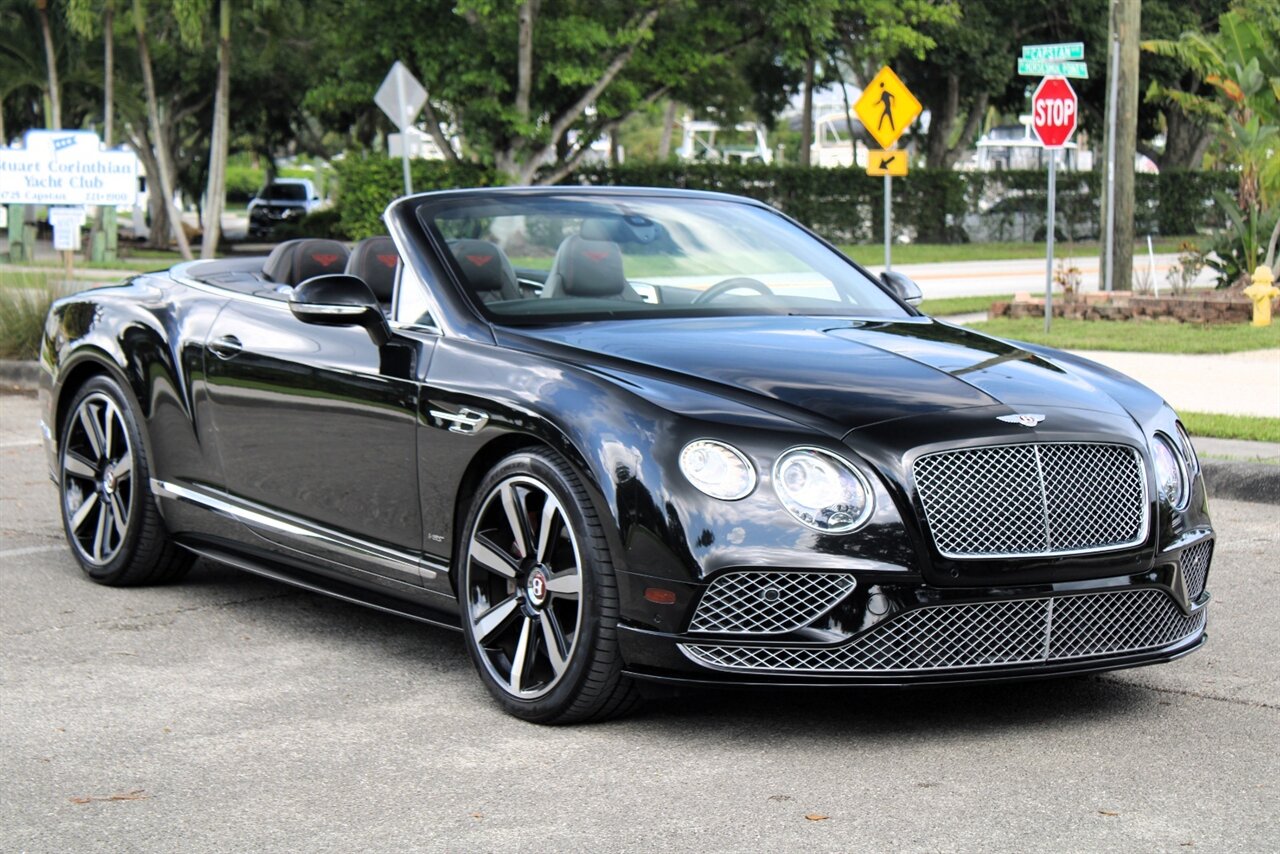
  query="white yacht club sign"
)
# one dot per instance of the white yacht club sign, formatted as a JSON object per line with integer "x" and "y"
{"x": 67, "y": 168}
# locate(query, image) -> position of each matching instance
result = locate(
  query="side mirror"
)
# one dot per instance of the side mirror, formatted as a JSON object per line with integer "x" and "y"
{"x": 339, "y": 299}
{"x": 905, "y": 289}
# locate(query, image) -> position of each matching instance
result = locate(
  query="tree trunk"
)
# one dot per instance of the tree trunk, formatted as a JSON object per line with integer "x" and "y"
{"x": 216, "y": 189}
{"x": 108, "y": 73}
{"x": 159, "y": 141}
{"x": 806, "y": 114}
{"x": 524, "y": 59}
{"x": 54, "y": 118}
{"x": 1186, "y": 142}
{"x": 941, "y": 123}
{"x": 157, "y": 210}
{"x": 668, "y": 126}
{"x": 1126, "y": 19}
{"x": 977, "y": 111}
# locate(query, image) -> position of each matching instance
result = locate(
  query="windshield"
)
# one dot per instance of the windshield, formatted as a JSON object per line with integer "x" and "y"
{"x": 284, "y": 193}
{"x": 551, "y": 258}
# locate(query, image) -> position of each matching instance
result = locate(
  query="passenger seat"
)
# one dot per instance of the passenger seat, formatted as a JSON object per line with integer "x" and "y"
{"x": 486, "y": 270}
{"x": 374, "y": 259}
{"x": 293, "y": 262}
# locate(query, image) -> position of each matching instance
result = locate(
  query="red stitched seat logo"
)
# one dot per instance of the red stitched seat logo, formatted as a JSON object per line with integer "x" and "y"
{"x": 596, "y": 255}
{"x": 324, "y": 260}
{"x": 479, "y": 260}
{"x": 389, "y": 260}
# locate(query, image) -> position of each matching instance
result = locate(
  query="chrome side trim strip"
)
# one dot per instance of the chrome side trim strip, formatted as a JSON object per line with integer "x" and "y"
{"x": 257, "y": 516}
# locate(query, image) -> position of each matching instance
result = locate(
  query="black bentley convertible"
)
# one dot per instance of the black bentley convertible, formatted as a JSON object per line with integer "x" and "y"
{"x": 620, "y": 436}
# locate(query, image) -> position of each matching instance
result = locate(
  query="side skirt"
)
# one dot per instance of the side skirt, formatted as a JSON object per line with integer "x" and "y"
{"x": 329, "y": 587}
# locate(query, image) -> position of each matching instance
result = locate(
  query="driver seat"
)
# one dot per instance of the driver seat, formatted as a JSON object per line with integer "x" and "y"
{"x": 588, "y": 268}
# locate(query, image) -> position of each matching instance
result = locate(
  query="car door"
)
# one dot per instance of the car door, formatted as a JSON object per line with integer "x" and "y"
{"x": 316, "y": 431}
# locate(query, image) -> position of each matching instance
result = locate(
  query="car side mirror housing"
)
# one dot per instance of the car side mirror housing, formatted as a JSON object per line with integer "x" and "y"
{"x": 903, "y": 287}
{"x": 339, "y": 299}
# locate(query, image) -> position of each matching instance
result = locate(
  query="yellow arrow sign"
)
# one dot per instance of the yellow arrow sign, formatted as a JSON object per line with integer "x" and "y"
{"x": 887, "y": 107}
{"x": 887, "y": 163}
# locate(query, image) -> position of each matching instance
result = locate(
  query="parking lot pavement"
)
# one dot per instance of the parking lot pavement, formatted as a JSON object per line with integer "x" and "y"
{"x": 227, "y": 713}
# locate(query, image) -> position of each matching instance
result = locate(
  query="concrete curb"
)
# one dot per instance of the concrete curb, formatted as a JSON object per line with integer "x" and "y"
{"x": 1235, "y": 480}
{"x": 19, "y": 376}
{"x": 1242, "y": 481}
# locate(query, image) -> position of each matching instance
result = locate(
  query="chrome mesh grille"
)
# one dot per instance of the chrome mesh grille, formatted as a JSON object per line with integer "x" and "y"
{"x": 1033, "y": 499}
{"x": 768, "y": 602}
{"x": 981, "y": 634}
{"x": 1195, "y": 567}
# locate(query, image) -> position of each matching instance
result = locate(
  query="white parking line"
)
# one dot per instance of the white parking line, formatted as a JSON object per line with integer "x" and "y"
{"x": 25, "y": 443}
{"x": 31, "y": 550}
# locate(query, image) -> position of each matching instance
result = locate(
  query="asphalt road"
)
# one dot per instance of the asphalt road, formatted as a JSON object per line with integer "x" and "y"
{"x": 231, "y": 714}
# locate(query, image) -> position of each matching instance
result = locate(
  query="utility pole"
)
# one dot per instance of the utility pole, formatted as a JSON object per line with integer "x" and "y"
{"x": 1123, "y": 31}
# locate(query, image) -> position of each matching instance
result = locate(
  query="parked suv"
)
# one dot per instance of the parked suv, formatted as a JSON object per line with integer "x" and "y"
{"x": 283, "y": 200}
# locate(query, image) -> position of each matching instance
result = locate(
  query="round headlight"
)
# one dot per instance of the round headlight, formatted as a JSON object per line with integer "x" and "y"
{"x": 1171, "y": 474}
{"x": 719, "y": 470}
{"x": 821, "y": 490}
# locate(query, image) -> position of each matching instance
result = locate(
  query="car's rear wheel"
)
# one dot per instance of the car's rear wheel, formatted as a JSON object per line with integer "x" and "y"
{"x": 538, "y": 594}
{"x": 108, "y": 512}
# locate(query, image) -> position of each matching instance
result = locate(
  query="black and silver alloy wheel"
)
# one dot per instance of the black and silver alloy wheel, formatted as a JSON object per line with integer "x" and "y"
{"x": 97, "y": 479}
{"x": 538, "y": 596}
{"x": 108, "y": 512}
{"x": 524, "y": 590}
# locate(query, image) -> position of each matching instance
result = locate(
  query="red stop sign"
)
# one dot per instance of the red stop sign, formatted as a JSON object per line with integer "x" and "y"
{"x": 1053, "y": 111}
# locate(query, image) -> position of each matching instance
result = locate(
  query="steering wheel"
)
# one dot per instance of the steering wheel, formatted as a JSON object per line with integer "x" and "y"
{"x": 720, "y": 288}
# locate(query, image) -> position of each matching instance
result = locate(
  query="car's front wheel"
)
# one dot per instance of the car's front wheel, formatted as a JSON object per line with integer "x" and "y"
{"x": 538, "y": 595}
{"x": 108, "y": 511}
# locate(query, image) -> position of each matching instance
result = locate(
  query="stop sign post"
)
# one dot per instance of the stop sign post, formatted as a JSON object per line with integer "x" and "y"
{"x": 1054, "y": 109}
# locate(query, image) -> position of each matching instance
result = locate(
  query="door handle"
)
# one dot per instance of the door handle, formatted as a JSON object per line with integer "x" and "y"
{"x": 465, "y": 421}
{"x": 225, "y": 347}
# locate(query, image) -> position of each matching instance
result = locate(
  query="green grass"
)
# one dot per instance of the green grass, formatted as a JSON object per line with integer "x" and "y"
{"x": 1143, "y": 336}
{"x": 932, "y": 253}
{"x": 1252, "y": 427}
{"x": 961, "y": 305}
{"x": 134, "y": 264}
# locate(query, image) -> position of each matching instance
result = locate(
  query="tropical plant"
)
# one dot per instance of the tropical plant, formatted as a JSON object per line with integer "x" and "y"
{"x": 1242, "y": 67}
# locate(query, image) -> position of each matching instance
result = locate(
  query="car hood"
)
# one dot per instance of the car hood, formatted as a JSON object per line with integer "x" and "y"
{"x": 853, "y": 373}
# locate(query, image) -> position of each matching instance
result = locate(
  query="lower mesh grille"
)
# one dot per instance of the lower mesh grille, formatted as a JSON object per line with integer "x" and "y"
{"x": 768, "y": 602}
{"x": 1195, "y": 567}
{"x": 982, "y": 634}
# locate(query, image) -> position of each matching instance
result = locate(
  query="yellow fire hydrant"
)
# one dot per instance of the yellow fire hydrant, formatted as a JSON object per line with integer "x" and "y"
{"x": 1262, "y": 291}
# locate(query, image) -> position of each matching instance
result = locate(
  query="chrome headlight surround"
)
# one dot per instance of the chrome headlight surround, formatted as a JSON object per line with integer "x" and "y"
{"x": 1188, "y": 450}
{"x": 1173, "y": 485}
{"x": 822, "y": 490}
{"x": 717, "y": 469}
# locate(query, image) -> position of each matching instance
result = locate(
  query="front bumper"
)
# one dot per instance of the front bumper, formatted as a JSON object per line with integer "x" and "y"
{"x": 915, "y": 633}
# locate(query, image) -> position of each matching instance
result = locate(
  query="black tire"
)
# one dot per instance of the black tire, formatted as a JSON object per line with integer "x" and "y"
{"x": 109, "y": 514}
{"x": 563, "y": 677}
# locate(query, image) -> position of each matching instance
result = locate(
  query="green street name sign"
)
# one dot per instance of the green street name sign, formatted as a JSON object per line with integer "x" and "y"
{"x": 1053, "y": 52}
{"x": 1041, "y": 68}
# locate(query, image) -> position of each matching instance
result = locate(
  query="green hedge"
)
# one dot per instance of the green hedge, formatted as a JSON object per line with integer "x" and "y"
{"x": 366, "y": 185}
{"x": 844, "y": 205}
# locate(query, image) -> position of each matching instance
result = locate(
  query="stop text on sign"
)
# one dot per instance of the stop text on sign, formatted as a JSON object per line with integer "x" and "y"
{"x": 1059, "y": 111}
{"x": 1054, "y": 112}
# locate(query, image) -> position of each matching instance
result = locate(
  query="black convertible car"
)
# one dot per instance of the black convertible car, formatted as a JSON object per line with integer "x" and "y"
{"x": 627, "y": 435}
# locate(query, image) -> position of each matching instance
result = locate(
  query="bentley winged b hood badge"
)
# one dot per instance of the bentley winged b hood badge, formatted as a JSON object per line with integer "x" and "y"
{"x": 1028, "y": 419}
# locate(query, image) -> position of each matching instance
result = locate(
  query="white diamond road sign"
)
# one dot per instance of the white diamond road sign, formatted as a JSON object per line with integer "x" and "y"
{"x": 401, "y": 96}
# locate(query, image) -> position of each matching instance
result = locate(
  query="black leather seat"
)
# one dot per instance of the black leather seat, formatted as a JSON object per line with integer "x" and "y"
{"x": 588, "y": 268}
{"x": 295, "y": 261}
{"x": 374, "y": 259}
{"x": 486, "y": 270}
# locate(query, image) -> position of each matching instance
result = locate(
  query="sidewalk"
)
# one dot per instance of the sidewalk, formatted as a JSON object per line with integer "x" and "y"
{"x": 1246, "y": 383}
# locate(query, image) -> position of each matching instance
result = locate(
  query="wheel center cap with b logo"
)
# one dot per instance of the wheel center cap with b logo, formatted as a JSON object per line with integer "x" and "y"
{"x": 535, "y": 587}
{"x": 109, "y": 482}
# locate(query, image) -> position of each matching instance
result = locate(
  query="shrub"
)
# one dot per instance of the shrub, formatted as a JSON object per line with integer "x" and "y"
{"x": 22, "y": 314}
{"x": 243, "y": 182}
{"x": 843, "y": 205}
{"x": 366, "y": 185}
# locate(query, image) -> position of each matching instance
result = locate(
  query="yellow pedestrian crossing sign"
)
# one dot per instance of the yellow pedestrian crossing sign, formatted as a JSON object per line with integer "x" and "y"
{"x": 887, "y": 163}
{"x": 887, "y": 107}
